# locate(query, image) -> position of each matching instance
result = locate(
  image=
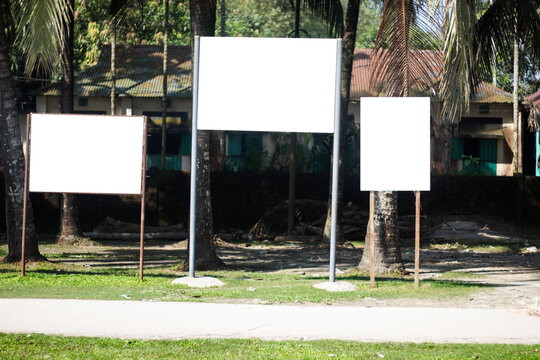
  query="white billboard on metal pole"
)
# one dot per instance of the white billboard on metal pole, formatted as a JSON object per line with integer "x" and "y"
{"x": 86, "y": 154}
{"x": 90, "y": 154}
{"x": 394, "y": 144}
{"x": 266, "y": 84}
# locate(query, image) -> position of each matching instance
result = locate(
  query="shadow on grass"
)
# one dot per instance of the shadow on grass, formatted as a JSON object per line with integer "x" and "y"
{"x": 108, "y": 272}
{"x": 366, "y": 278}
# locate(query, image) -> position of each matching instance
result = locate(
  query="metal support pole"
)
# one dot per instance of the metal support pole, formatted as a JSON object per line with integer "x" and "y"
{"x": 193, "y": 186}
{"x": 25, "y": 196}
{"x": 143, "y": 201}
{"x": 335, "y": 165}
{"x": 417, "y": 242}
{"x": 372, "y": 239}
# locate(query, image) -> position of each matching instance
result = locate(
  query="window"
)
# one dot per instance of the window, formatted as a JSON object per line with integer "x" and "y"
{"x": 245, "y": 152}
{"x": 479, "y": 155}
{"x": 177, "y": 142}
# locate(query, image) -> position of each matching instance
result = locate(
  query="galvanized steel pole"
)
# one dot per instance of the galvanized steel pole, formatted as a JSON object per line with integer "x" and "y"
{"x": 335, "y": 165}
{"x": 193, "y": 186}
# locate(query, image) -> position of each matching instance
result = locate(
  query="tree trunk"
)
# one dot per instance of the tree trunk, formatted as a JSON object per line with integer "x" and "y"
{"x": 515, "y": 147}
{"x": 292, "y": 185}
{"x": 386, "y": 239}
{"x": 203, "y": 20}
{"x": 69, "y": 213}
{"x": 164, "y": 89}
{"x": 292, "y": 156}
{"x": 223, "y": 18}
{"x": 12, "y": 159}
{"x": 113, "y": 67}
{"x": 349, "y": 38}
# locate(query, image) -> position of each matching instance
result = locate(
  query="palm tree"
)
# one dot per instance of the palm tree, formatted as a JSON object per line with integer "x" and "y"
{"x": 69, "y": 211}
{"x": 467, "y": 50}
{"x": 203, "y": 22}
{"x": 515, "y": 26}
{"x": 403, "y": 71}
{"x": 330, "y": 11}
{"x": 38, "y": 25}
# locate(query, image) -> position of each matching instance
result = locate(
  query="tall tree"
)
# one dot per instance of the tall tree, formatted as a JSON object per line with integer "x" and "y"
{"x": 402, "y": 70}
{"x": 349, "y": 41}
{"x": 332, "y": 13}
{"x": 69, "y": 211}
{"x": 164, "y": 87}
{"x": 467, "y": 50}
{"x": 36, "y": 28}
{"x": 203, "y": 22}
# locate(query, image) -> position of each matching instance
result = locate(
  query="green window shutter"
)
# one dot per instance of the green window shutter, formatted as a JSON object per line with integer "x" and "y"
{"x": 457, "y": 149}
{"x": 488, "y": 150}
{"x": 488, "y": 156}
{"x": 253, "y": 143}
{"x": 185, "y": 145}
{"x": 234, "y": 147}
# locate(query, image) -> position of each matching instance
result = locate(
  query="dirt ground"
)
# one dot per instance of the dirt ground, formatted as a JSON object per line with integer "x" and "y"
{"x": 515, "y": 276}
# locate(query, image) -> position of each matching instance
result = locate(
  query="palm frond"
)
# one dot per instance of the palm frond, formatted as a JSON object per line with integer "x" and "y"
{"x": 39, "y": 30}
{"x": 331, "y": 11}
{"x": 457, "y": 81}
{"x": 119, "y": 8}
{"x": 406, "y": 60}
{"x": 500, "y": 23}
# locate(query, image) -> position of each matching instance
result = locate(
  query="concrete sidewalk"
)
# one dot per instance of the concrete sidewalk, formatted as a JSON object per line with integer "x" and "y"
{"x": 177, "y": 320}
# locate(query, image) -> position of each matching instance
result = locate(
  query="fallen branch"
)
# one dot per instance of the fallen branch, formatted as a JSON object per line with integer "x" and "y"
{"x": 180, "y": 235}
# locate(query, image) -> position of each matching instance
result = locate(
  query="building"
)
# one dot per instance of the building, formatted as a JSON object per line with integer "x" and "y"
{"x": 481, "y": 143}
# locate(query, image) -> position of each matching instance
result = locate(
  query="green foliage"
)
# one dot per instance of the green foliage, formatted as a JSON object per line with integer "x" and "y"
{"x": 369, "y": 21}
{"x": 38, "y": 346}
{"x": 269, "y": 18}
{"x": 138, "y": 26}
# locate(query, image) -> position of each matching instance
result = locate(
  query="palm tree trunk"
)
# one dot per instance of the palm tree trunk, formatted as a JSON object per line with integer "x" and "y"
{"x": 69, "y": 210}
{"x": 12, "y": 159}
{"x": 113, "y": 67}
{"x": 164, "y": 90}
{"x": 515, "y": 147}
{"x": 223, "y": 18}
{"x": 203, "y": 21}
{"x": 387, "y": 247}
{"x": 292, "y": 156}
{"x": 349, "y": 38}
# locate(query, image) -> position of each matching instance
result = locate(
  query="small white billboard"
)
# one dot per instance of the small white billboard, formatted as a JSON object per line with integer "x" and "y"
{"x": 267, "y": 84}
{"x": 394, "y": 144}
{"x": 86, "y": 154}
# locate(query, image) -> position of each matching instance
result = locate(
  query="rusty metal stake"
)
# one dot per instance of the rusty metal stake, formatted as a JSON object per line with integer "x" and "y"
{"x": 25, "y": 196}
{"x": 372, "y": 239}
{"x": 417, "y": 242}
{"x": 143, "y": 200}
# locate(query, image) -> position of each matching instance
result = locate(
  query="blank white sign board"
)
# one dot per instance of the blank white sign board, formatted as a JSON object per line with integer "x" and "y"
{"x": 267, "y": 84}
{"x": 86, "y": 154}
{"x": 394, "y": 144}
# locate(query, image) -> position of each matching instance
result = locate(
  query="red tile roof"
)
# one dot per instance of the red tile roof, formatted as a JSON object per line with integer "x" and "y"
{"x": 485, "y": 93}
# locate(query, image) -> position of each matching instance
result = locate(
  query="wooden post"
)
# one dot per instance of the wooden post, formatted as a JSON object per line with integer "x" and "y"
{"x": 143, "y": 200}
{"x": 417, "y": 242}
{"x": 25, "y": 196}
{"x": 372, "y": 239}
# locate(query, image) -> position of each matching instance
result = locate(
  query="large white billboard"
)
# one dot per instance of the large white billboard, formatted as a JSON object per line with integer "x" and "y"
{"x": 394, "y": 144}
{"x": 267, "y": 84}
{"x": 86, "y": 154}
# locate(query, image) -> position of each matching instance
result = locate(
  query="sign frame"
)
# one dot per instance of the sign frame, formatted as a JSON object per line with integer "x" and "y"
{"x": 27, "y": 172}
{"x": 194, "y": 155}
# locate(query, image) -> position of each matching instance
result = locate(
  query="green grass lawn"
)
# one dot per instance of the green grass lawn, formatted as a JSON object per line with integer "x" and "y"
{"x": 35, "y": 346}
{"x": 57, "y": 280}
